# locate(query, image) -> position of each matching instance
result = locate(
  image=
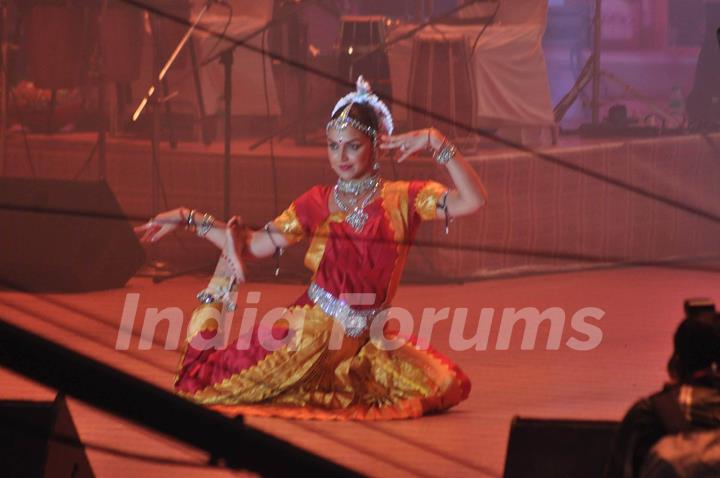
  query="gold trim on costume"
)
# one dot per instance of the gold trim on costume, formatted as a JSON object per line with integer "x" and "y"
{"x": 315, "y": 252}
{"x": 427, "y": 199}
{"x": 358, "y": 380}
{"x": 288, "y": 224}
{"x": 395, "y": 205}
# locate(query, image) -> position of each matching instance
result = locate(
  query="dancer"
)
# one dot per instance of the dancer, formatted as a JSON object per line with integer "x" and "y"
{"x": 328, "y": 358}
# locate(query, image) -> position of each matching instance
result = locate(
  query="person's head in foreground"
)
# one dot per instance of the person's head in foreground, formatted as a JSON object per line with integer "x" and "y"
{"x": 696, "y": 353}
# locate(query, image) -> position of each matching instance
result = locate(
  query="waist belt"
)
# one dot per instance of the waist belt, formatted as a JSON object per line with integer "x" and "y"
{"x": 353, "y": 321}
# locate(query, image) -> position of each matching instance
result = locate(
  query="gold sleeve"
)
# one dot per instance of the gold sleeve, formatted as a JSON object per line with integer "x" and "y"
{"x": 427, "y": 199}
{"x": 288, "y": 224}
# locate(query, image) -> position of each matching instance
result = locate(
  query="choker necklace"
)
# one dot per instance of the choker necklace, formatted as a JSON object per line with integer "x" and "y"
{"x": 357, "y": 216}
{"x": 357, "y": 186}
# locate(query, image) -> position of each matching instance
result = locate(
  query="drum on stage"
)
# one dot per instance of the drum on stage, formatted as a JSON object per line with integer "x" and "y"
{"x": 441, "y": 83}
{"x": 361, "y": 53}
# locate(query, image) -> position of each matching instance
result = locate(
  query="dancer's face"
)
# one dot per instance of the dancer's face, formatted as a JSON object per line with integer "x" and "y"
{"x": 350, "y": 153}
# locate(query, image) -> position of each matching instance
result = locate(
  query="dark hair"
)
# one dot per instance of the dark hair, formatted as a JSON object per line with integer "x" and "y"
{"x": 697, "y": 344}
{"x": 362, "y": 113}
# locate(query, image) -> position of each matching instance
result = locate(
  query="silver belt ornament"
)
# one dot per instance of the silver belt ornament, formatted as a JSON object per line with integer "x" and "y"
{"x": 353, "y": 321}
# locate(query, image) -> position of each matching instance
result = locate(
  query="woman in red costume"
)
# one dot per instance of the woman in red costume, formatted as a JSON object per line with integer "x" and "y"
{"x": 330, "y": 363}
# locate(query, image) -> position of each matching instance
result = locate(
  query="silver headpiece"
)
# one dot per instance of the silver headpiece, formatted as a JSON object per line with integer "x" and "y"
{"x": 362, "y": 94}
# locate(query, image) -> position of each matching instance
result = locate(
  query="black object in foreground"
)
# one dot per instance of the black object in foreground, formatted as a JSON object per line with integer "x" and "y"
{"x": 109, "y": 389}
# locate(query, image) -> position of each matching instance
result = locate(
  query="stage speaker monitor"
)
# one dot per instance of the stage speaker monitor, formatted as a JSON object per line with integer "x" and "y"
{"x": 558, "y": 448}
{"x": 39, "y": 439}
{"x": 64, "y": 236}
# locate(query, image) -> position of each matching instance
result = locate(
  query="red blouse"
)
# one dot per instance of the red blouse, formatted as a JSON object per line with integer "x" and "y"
{"x": 369, "y": 261}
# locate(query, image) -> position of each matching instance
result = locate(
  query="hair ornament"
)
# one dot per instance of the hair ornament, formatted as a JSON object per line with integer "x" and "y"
{"x": 363, "y": 94}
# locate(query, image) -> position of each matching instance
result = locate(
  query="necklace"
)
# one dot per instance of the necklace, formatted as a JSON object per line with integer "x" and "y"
{"x": 357, "y": 216}
{"x": 357, "y": 186}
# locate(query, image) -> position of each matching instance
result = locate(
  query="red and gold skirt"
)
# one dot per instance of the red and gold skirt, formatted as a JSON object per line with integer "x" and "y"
{"x": 307, "y": 378}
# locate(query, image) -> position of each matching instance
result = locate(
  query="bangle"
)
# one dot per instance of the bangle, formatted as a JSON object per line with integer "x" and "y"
{"x": 207, "y": 223}
{"x": 278, "y": 249}
{"x": 183, "y": 218}
{"x": 442, "y": 204}
{"x": 190, "y": 224}
{"x": 445, "y": 153}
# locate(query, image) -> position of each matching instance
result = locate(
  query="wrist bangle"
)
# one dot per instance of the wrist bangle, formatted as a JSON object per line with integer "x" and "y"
{"x": 272, "y": 239}
{"x": 442, "y": 204}
{"x": 445, "y": 153}
{"x": 190, "y": 224}
{"x": 443, "y": 143}
{"x": 182, "y": 212}
{"x": 278, "y": 249}
{"x": 207, "y": 223}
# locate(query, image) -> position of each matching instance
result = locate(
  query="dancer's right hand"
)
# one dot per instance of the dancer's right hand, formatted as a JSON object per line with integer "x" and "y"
{"x": 162, "y": 224}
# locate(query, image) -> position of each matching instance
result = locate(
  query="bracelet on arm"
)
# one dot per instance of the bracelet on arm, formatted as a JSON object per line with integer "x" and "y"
{"x": 190, "y": 224}
{"x": 442, "y": 204}
{"x": 181, "y": 213}
{"x": 205, "y": 225}
{"x": 278, "y": 249}
{"x": 445, "y": 152}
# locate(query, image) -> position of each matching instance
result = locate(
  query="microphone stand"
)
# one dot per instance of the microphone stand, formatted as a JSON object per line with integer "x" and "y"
{"x": 173, "y": 56}
{"x": 226, "y": 59}
{"x": 270, "y": 24}
{"x": 151, "y": 98}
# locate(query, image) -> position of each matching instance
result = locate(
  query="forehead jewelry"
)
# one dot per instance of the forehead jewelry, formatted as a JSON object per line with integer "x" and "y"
{"x": 363, "y": 95}
{"x": 344, "y": 120}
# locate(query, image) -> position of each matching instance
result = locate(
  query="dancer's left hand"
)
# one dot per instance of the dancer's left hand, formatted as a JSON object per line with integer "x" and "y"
{"x": 412, "y": 142}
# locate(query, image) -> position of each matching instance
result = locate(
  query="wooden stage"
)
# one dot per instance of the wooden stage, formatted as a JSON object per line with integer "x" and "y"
{"x": 642, "y": 307}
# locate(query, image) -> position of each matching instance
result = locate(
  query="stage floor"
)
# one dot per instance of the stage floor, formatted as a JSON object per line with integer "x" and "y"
{"x": 642, "y": 307}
